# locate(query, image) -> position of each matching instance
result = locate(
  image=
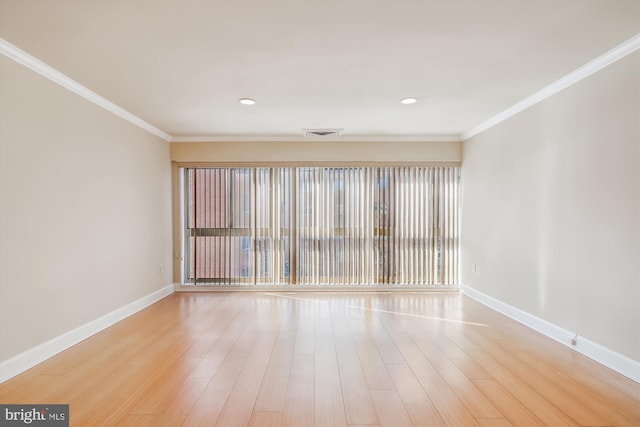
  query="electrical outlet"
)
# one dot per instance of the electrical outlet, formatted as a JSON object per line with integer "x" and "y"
{"x": 474, "y": 268}
{"x": 160, "y": 269}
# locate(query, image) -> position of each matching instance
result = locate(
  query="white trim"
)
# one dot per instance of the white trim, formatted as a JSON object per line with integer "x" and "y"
{"x": 31, "y": 62}
{"x": 618, "y": 362}
{"x": 23, "y": 361}
{"x": 303, "y": 139}
{"x": 575, "y": 76}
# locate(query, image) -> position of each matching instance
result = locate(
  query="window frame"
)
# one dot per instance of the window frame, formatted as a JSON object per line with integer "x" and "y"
{"x": 292, "y": 242}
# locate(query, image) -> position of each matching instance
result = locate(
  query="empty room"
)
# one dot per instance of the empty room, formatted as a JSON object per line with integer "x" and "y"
{"x": 320, "y": 213}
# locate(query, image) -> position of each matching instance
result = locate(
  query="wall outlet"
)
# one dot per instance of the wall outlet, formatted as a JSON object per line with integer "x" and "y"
{"x": 160, "y": 269}
{"x": 474, "y": 268}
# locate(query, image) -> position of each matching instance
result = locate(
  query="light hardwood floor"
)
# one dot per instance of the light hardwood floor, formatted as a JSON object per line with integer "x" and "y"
{"x": 326, "y": 359}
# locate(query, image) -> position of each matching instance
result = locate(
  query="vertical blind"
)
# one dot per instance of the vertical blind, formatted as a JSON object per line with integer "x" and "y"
{"x": 347, "y": 226}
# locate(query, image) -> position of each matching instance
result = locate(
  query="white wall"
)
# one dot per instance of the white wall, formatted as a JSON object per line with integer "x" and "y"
{"x": 85, "y": 211}
{"x": 551, "y": 209}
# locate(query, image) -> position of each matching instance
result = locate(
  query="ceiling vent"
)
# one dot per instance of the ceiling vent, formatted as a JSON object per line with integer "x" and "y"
{"x": 322, "y": 132}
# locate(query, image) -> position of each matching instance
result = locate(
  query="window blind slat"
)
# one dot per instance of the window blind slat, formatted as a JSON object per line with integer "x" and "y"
{"x": 322, "y": 226}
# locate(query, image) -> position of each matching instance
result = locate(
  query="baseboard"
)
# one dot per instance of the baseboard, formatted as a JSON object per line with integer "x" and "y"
{"x": 23, "y": 361}
{"x": 620, "y": 363}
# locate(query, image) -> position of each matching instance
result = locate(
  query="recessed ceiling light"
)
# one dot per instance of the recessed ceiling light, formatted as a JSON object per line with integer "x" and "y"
{"x": 410, "y": 100}
{"x": 247, "y": 101}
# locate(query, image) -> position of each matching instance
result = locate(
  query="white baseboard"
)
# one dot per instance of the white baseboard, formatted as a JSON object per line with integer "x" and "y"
{"x": 23, "y": 361}
{"x": 620, "y": 363}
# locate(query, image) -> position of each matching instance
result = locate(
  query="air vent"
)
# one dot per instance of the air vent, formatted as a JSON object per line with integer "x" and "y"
{"x": 322, "y": 132}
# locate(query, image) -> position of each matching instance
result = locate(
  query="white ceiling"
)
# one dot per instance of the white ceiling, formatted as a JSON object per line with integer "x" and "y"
{"x": 182, "y": 65}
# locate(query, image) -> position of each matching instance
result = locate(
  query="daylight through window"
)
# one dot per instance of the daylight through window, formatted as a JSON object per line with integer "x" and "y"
{"x": 345, "y": 226}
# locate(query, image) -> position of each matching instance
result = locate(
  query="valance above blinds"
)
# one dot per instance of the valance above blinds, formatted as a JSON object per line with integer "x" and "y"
{"x": 345, "y": 226}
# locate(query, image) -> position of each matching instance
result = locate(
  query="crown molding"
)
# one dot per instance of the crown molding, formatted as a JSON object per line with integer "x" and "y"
{"x": 575, "y": 76}
{"x": 29, "y": 61}
{"x": 302, "y": 139}
{"x": 23, "y": 58}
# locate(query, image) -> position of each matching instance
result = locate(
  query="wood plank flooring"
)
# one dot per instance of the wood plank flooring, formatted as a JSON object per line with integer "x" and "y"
{"x": 326, "y": 359}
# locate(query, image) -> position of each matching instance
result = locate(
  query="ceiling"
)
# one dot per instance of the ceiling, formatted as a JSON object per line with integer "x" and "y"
{"x": 182, "y": 65}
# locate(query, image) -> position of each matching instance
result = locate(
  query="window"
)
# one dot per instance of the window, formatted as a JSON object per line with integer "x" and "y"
{"x": 322, "y": 226}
